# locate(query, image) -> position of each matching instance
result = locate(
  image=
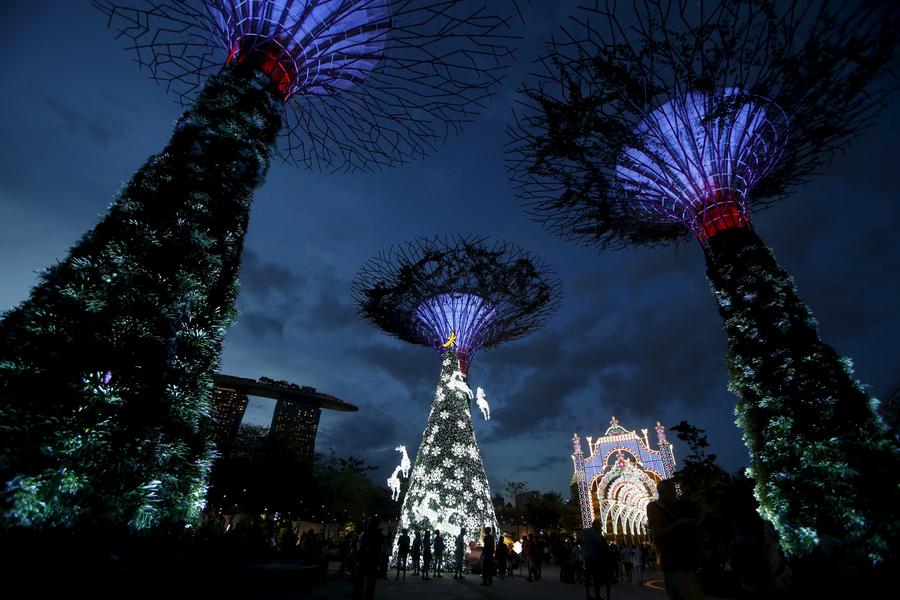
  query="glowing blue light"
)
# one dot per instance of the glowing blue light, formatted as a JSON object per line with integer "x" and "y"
{"x": 699, "y": 156}
{"x": 325, "y": 45}
{"x": 466, "y": 317}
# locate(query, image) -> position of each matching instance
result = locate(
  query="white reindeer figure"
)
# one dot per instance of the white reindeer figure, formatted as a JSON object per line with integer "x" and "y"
{"x": 394, "y": 484}
{"x": 404, "y": 462}
{"x": 483, "y": 404}
{"x": 458, "y": 383}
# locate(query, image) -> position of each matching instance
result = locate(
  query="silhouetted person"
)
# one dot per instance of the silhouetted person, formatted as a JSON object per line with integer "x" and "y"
{"x": 460, "y": 552}
{"x": 487, "y": 558}
{"x": 426, "y": 554}
{"x": 533, "y": 552}
{"x": 438, "y": 553}
{"x": 628, "y": 561}
{"x": 674, "y": 533}
{"x": 500, "y": 556}
{"x": 597, "y": 560}
{"x": 386, "y": 549}
{"x": 639, "y": 565}
{"x": 369, "y": 562}
{"x": 416, "y": 552}
{"x": 402, "y": 553}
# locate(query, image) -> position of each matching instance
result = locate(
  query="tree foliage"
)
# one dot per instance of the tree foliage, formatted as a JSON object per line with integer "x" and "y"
{"x": 106, "y": 369}
{"x": 824, "y": 462}
{"x": 546, "y": 511}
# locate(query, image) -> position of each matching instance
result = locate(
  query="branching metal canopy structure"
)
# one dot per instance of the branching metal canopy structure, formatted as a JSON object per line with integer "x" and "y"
{"x": 482, "y": 292}
{"x": 371, "y": 83}
{"x": 647, "y": 122}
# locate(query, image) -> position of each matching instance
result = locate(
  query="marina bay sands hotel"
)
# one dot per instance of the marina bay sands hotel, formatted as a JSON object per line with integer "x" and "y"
{"x": 297, "y": 409}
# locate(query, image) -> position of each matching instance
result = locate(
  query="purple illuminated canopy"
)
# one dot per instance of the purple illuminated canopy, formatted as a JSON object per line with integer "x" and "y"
{"x": 653, "y": 122}
{"x": 455, "y": 320}
{"x": 698, "y": 157}
{"x": 368, "y": 84}
{"x": 324, "y": 45}
{"x": 457, "y": 292}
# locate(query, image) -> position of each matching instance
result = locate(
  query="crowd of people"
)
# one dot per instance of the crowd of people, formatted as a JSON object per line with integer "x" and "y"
{"x": 585, "y": 557}
{"x": 366, "y": 553}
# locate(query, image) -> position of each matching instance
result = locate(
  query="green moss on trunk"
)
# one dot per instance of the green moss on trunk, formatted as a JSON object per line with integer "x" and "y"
{"x": 824, "y": 464}
{"x": 106, "y": 370}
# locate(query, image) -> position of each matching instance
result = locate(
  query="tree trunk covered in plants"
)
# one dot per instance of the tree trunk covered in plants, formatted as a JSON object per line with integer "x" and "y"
{"x": 824, "y": 464}
{"x": 106, "y": 370}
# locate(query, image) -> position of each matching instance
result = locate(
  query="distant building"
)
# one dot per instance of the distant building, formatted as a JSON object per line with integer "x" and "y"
{"x": 298, "y": 421}
{"x": 228, "y": 406}
{"x": 297, "y": 409}
{"x": 526, "y": 497}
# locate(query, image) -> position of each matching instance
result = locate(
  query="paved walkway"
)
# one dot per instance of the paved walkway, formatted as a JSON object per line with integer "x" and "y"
{"x": 471, "y": 589}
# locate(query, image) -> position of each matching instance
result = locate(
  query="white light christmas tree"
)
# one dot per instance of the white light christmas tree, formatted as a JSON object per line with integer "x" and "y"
{"x": 457, "y": 295}
{"x": 448, "y": 489}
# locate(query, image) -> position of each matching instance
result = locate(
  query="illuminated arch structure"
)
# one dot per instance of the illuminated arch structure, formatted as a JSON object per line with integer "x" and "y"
{"x": 619, "y": 476}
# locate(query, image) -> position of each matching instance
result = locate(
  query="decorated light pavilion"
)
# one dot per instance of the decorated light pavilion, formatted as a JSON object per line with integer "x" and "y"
{"x": 617, "y": 477}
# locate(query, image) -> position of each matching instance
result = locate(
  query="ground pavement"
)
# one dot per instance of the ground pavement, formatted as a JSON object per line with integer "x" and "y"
{"x": 446, "y": 588}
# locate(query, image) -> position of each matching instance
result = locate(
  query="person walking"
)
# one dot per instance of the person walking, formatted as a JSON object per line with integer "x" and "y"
{"x": 674, "y": 533}
{"x": 368, "y": 563}
{"x": 528, "y": 548}
{"x": 438, "y": 553}
{"x": 402, "y": 553}
{"x": 616, "y": 562}
{"x": 639, "y": 565}
{"x": 386, "y": 549}
{"x": 459, "y": 554}
{"x": 578, "y": 562}
{"x": 597, "y": 560}
{"x": 487, "y": 558}
{"x": 500, "y": 556}
{"x": 537, "y": 556}
{"x": 416, "y": 552}
{"x": 426, "y": 555}
{"x": 628, "y": 561}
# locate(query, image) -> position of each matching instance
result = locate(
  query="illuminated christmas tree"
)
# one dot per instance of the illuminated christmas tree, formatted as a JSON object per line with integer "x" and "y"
{"x": 106, "y": 370}
{"x": 456, "y": 295}
{"x": 672, "y": 121}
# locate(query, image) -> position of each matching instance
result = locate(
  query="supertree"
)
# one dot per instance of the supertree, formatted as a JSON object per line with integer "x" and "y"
{"x": 672, "y": 121}
{"x": 106, "y": 370}
{"x": 457, "y": 295}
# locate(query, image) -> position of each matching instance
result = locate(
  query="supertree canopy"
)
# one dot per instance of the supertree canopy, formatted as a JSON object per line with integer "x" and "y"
{"x": 697, "y": 169}
{"x": 459, "y": 293}
{"x": 668, "y": 121}
{"x": 106, "y": 370}
{"x": 456, "y": 295}
{"x": 370, "y": 83}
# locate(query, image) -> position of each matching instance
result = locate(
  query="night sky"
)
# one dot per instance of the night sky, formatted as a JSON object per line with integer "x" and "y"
{"x": 638, "y": 335}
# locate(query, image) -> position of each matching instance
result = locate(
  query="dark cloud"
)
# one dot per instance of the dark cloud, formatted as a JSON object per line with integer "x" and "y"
{"x": 370, "y": 434}
{"x": 99, "y": 124}
{"x": 369, "y": 429}
{"x": 415, "y": 367}
{"x": 259, "y": 324}
{"x": 553, "y": 461}
{"x": 627, "y": 357}
{"x": 536, "y": 406}
{"x": 330, "y": 307}
{"x": 261, "y": 279}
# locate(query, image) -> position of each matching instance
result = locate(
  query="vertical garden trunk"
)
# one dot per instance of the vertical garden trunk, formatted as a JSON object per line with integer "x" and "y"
{"x": 448, "y": 488}
{"x": 106, "y": 370}
{"x": 824, "y": 465}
